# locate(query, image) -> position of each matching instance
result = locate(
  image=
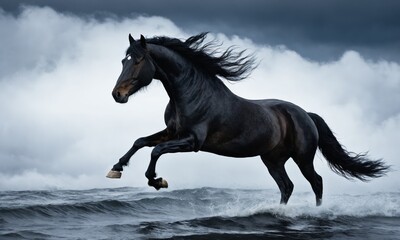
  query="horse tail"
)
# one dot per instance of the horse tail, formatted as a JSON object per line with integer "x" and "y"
{"x": 342, "y": 162}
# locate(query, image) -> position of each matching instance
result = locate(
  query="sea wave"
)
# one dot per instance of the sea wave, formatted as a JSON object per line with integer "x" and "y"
{"x": 192, "y": 213}
{"x": 207, "y": 202}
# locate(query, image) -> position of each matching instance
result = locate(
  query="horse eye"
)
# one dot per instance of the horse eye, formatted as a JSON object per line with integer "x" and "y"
{"x": 128, "y": 57}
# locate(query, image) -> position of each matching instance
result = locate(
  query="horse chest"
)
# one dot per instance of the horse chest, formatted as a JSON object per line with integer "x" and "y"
{"x": 175, "y": 121}
{"x": 179, "y": 120}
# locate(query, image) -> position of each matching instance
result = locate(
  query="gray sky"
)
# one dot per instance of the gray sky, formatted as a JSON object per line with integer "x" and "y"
{"x": 319, "y": 30}
{"x": 60, "y": 127}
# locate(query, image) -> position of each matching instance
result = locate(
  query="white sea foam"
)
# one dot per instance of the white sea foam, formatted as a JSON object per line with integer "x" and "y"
{"x": 303, "y": 205}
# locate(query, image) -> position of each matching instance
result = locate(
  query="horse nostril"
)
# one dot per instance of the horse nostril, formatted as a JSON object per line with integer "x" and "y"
{"x": 119, "y": 96}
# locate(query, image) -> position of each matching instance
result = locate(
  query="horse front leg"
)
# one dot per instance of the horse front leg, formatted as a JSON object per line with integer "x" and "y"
{"x": 148, "y": 141}
{"x": 187, "y": 144}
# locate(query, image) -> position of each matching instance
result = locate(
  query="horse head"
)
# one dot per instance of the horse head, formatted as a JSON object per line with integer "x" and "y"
{"x": 137, "y": 70}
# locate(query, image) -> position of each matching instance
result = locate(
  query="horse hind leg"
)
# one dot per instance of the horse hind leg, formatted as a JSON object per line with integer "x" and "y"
{"x": 276, "y": 167}
{"x": 305, "y": 163}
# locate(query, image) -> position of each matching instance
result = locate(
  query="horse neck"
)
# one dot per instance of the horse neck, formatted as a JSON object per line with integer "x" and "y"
{"x": 184, "y": 82}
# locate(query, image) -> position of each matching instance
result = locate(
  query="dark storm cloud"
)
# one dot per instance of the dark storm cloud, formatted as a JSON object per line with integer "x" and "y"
{"x": 320, "y": 30}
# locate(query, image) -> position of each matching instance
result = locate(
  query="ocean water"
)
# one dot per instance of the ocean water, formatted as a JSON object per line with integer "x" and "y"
{"x": 202, "y": 213}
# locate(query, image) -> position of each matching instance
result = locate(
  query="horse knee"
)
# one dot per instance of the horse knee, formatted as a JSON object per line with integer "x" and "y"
{"x": 140, "y": 142}
{"x": 155, "y": 154}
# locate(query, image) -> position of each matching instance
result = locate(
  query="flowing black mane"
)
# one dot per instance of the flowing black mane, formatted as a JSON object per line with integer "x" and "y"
{"x": 207, "y": 56}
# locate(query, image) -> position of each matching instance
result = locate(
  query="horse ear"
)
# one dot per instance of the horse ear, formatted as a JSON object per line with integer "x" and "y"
{"x": 131, "y": 40}
{"x": 143, "y": 41}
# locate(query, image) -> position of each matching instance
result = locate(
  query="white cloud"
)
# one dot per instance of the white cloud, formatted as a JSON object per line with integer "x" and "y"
{"x": 61, "y": 128}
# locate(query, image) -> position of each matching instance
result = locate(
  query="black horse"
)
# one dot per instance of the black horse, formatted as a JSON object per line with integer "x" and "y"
{"x": 204, "y": 115}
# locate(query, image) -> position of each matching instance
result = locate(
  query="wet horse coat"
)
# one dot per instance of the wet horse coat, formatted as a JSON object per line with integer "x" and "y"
{"x": 204, "y": 115}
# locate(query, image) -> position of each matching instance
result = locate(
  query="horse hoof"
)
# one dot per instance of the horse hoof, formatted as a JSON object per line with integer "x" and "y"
{"x": 158, "y": 183}
{"x": 163, "y": 183}
{"x": 114, "y": 174}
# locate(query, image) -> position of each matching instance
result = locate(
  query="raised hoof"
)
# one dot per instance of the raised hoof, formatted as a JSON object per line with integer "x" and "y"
{"x": 114, "y": 174}
{"x": 163, "y": 183}
{"x": 158, "y": 183}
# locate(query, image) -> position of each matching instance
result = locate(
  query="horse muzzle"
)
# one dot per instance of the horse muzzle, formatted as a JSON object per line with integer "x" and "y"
{"x": 120, "y": 96}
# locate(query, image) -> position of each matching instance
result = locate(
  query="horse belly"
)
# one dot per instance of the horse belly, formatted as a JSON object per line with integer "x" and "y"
{"x": 243, "y": 145}
{"x": 231, "y": 151}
